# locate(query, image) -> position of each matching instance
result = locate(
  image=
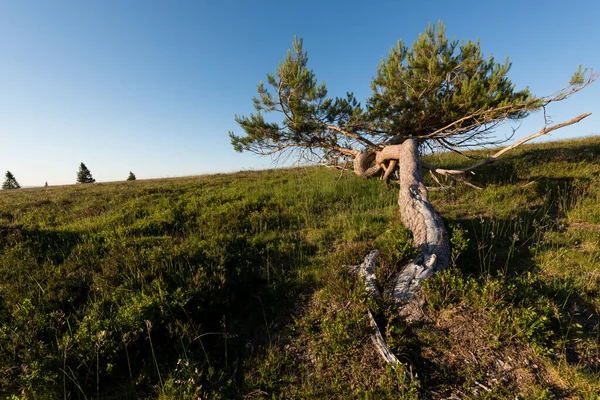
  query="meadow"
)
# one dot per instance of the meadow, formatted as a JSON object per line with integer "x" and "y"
{"x": 237, "y": 286}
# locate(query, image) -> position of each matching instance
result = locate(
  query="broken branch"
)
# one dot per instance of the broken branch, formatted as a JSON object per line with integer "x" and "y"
{"x": 494, "y": 157}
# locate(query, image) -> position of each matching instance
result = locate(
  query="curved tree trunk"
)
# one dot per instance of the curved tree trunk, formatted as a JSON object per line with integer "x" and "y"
{"x": 362, "y": 162}
{"x": 428, "y": 231}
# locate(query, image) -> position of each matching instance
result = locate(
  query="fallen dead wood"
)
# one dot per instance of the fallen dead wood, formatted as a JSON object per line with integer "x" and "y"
{"x": 366, "y": 272}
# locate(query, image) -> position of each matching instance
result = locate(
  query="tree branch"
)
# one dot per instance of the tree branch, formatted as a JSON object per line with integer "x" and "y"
{"x": 355, "y": 136}
{"x": 494, "y": 157}
{"x": 454, "y": 129}
{"x": 390, "y": 168}
{"x": 362, "y": 161}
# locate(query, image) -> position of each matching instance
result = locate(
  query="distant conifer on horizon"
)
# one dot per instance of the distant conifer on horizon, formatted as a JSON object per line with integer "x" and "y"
{"x": 84, "y": 175}
{"x": 131, "y": 176}
{"x": 10, "y": 182}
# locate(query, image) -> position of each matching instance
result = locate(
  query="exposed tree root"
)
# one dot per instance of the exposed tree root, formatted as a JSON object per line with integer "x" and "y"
{"x": 365, "y": 271}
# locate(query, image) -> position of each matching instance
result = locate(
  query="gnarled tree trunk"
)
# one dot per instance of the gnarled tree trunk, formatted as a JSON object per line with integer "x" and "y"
{"x": 428, "y": 232}
{"x": 418, "y": 215}
{"x": 427, "y": 228}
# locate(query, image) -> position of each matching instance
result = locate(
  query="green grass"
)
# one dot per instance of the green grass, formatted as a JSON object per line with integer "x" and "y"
{"x": 232, "y": 286}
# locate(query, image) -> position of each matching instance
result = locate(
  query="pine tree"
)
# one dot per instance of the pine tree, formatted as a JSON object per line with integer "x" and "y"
{"x": 438, "y": 95}
{"x": 131, "y": 176}
{"x": 10, "y": 182}
{"x": 84, "y": 175}
{"x": 443, "y": 93}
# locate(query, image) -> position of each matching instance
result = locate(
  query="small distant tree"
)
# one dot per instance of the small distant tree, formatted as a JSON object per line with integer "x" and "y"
{"x": 46, "y": 184}
{"x": 131, "y": 176}
{"x": 84, "y": 175}
{"x": 10, "y": 182}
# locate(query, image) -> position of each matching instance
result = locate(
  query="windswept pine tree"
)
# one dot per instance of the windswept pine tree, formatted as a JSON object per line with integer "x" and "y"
{"x": 10, "y": 182}
{"x": 131, "y": 176}
{"x": 438, "y": 95}
{"x": 84, "y": 175}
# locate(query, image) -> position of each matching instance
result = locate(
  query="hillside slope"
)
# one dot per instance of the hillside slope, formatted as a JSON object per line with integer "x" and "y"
{"x": 235, "y": 286}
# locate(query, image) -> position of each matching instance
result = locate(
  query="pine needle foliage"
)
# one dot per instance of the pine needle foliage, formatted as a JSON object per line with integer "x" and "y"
{"x": 309, "y": 116}
{"x": 442, "y": 91}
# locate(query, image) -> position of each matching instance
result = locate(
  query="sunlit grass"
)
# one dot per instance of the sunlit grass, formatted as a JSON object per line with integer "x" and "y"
{"x": 230, "y": 285}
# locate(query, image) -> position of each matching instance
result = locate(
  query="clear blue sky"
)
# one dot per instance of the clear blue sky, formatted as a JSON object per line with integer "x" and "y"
{"x": 153, "y": 86}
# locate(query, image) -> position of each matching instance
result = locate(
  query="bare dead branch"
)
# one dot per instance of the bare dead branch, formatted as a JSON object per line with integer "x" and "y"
{"x": 435, "y": 178}
{"x": 355, "y": 136}
{"x": 365, "y": 272}
{"x": 438, "y": 133}
{"x": 344, "y": 168}
{"x": 469, "y": 184}
{"x": 533, "y": 181}
{"x": 494, "y": 157}
{"x": 487, "y": 119}
{"x": 390, "y": 168}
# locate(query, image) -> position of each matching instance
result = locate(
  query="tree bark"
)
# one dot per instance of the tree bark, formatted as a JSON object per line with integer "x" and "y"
{"x": 362, "y": 161}
{"x": 428, "y": 231}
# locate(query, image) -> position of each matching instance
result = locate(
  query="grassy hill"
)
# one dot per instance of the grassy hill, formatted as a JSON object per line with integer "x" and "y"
{"x": 234, "y": 286}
